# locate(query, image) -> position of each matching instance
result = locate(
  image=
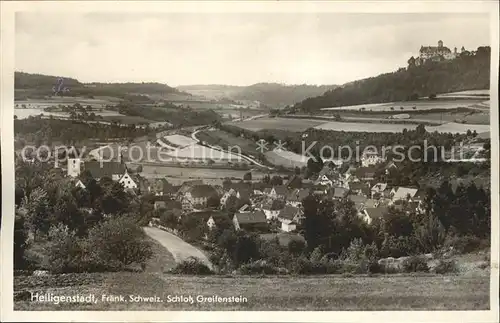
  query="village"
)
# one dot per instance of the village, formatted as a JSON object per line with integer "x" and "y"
{"x": 264, "y": 206}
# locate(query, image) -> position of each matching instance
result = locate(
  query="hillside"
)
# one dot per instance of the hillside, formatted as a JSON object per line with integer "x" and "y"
{"x": 270, "y": 94}
{"x": 28, "y": 85}
{"x": 467, "y": 72}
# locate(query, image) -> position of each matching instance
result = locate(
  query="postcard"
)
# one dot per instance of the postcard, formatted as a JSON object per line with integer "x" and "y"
{"x": 249, "y": 161}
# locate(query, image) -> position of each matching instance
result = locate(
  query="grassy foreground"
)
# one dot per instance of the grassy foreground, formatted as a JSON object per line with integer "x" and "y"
{"x": 406, "y": 292}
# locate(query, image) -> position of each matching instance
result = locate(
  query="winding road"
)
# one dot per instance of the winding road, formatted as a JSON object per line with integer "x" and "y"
{"x": 180, "y": 249}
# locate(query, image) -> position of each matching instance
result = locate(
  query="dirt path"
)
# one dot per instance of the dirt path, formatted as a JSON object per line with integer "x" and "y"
{"x": 180, "y": 249}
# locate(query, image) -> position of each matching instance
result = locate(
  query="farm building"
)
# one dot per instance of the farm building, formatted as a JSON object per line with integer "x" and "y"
{"x": 254, "y": 221}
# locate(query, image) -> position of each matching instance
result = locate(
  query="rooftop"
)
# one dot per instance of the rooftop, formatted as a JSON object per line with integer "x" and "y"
{"x": 251, "y": 218}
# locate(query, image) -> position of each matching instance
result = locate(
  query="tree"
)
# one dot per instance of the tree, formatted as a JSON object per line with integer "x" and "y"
{"x": 397, "y": 223}
{"x": 420, "y": 129}
{"x": 20, "y": 237}
{"x": 118, "y": 243}
{"x": 247, "y": 176}
{"x": 114, "y": 200}
{"x": 213, "y": 201}
{"x": 296, "y": 247}
{"x": 276, "y": 180}
{"x": 232, "y": 204}
{"x": 37, "y": 211}
{"x": 431, "y": 235}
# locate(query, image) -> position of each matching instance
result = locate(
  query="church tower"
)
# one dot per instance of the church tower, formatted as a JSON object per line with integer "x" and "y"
{"x": 440, "y": 44}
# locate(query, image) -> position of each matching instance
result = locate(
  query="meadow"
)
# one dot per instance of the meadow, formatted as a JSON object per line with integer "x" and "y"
{"x": 451, "y": 101}
{"x": 298, "y": 125}
{"x": 326, "y": 293}
{"x": 194, "y": 173}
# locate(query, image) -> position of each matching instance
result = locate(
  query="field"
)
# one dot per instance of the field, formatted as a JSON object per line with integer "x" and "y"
{"x": 179, "y": 140}
{"x": 396, "y": 292}
{"x": 444, "y": 101}
{"x": 213, "y": 176}
{"x": 298, "y": 125}
{"x": 287, "y": 159}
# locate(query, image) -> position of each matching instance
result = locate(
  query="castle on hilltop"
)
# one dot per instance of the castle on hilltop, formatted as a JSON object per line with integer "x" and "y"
{"x": 435, "y": 54}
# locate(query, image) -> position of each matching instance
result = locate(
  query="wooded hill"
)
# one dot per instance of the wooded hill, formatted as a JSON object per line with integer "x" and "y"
{"x": 38, "y": 85}
{"x": 467, "y": 72}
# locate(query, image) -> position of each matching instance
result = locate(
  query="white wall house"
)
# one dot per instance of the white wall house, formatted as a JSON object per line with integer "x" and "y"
{"x": 288, "y": 226}
{"x": 127, "y": 181}
{"x": 74, "y": 167}
{"x": 371, "y": 158}
{"x": 211, "y": 223}
{"x": 80, "y": 184}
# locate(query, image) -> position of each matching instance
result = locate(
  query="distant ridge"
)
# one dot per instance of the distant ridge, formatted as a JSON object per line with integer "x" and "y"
{"x": 39, "y": 85}
{"x": 274, "y": 95}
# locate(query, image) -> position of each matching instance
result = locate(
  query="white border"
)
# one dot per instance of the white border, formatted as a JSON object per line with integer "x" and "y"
{"x": 7, "y": 10}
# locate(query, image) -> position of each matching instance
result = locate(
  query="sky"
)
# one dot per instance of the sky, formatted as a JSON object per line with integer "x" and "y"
{"x": 234, "y": 49}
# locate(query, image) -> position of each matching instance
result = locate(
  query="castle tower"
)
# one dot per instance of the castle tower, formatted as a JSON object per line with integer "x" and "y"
{"x": 74, "y": 167}
{"x": 440, "y": 44}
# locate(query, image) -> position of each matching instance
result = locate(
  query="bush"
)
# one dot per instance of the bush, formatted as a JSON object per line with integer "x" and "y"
{"x": 445, "y": 266}
{"x": 118, "y": 243}
{"x": 304, "y": 266}
{"x": 192, "y": 266}
{"x": 258, "y": 267}
{"x": 464, "y": 244}
{"x": 415, "y": 264}
{"x": 65, "y": 252}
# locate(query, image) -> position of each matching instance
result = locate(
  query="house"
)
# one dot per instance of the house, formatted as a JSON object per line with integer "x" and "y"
{"x": 296, "y": 197}
{"x": 161, "y": 187}
{"x": 390, "y": 166}
{"x": 253, "y": 221}
{"x": 370, "y": 158}
{"x": 290, "y": 217}
{"x": 160, "y": 205}
{"x": 365, "y": 173}
{"x": 244, "y": 208}
{"x": 320, "y": 190}
{"x": 340, "y": 192}
{"x": 219, "y": 220}
{"x": 271, "y": 209}
{"x": 198, "y": 195}
{"x": 370, "y": 203}
{"x": 244, "y": 193}
{"x": 378, "y": 189}
{"x": 187, "y": 185}
{"x": 74, "y": 167}
{"x": 370, "y": 214}
{"x": 226, "y": 196}
{"x": 276, "y": 192}
{"x": 98, "y": 170}
{"x": 128, "y": 182}
{"x": 359, "y": 202}
{"x": 403, "y": 193}
{"x": 80, "y": 184}
{"x": 324, "y": 180}
{"x": 359, "y": 188}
